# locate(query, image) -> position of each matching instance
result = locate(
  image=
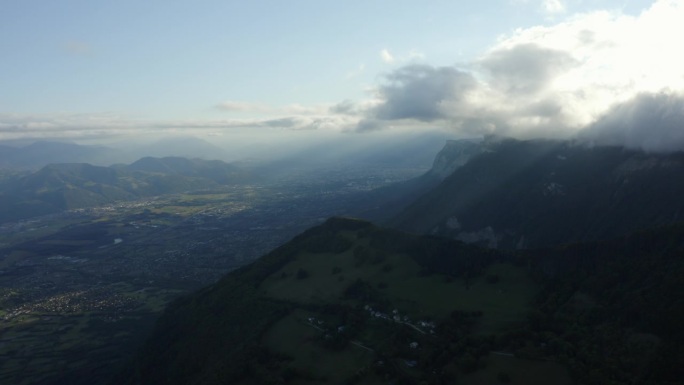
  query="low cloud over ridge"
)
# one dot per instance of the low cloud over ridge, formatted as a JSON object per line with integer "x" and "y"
{"x": 619, "y": 75}
{"x": 651, "y": 122}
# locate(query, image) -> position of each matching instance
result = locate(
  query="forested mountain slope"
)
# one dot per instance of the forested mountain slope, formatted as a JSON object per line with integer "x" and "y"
{"x": 347, "y": 302}
{"x": 536, "y": 193}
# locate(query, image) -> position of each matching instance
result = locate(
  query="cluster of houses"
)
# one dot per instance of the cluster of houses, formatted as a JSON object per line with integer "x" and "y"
{"x": 422, "y": 326}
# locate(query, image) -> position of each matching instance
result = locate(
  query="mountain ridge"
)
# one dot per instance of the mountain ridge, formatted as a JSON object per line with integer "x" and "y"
{"x": 513, "y": 194}
{"x": 66, "y": 186}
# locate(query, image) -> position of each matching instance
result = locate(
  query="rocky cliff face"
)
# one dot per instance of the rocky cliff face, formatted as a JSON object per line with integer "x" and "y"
{"x": 455, "y": 154}
{"x": 517, "y": 194}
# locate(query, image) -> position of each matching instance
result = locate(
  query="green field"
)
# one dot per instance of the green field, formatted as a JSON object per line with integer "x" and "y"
{"x": 518, "y": 371}
{"x": 294, "y": 337}
{"x": 398, "y": 280}
{"x": 36, "y": 348}
{"x": 503, "y": 303}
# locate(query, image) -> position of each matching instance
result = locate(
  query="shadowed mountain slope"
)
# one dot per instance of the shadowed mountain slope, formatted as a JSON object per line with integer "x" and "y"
{"x": 535, "y": 193}
{"x": 347, "y": 302}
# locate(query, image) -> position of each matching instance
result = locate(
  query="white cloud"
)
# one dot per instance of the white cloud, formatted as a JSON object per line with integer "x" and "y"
{"x": 300, "y": 109}
{"x": 652, "y": 122}
{"x": 412, "y": 56}
{"x": 419, "y": 91}
{"x": 415, "y": 55}
{"x": 78, "y": 126}
{"x": 549, "y": 81}
{"x": 238, "y": 106}
{"x": 265, "y": 109}
{"x": 386, "y": 56}
{"x": 614, "y": 56}
{"x": 553, "y": 6}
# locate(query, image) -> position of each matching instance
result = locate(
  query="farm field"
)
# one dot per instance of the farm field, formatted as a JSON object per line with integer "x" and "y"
{"x": 355, "y": 303}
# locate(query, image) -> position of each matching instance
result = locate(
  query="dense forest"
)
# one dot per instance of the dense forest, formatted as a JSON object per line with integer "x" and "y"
{"x": 607, "y": 312}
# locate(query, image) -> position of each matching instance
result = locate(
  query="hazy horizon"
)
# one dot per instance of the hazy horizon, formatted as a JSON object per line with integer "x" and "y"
{"x": 275, "y": 74}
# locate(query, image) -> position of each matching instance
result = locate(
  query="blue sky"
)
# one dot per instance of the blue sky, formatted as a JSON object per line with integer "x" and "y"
{"x": 75, "y": 67}
{"x": 170, "y": 57}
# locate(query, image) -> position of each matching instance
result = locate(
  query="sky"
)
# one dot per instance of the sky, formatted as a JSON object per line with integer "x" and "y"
{"x": 607, "y": 71}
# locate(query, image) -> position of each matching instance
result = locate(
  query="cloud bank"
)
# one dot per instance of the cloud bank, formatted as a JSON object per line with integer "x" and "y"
{"x": 593, "y": 70}
{"x": 603, "y": 76}
{"x": 651, "y": 122}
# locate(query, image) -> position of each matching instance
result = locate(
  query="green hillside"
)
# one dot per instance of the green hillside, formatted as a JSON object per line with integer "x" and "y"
{"x": 347, "y": 302}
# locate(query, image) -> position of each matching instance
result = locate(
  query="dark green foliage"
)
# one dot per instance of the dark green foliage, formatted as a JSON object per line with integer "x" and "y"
{"x": 493, "y": 278}
{"x": 361, "y": 255}
{"x": 453, "y": 258}
{"x": 328, "y": 242}
{"x": 213, "y": 336}
{"x": 539, "y": 193}
{"x": 468, "y": 363}
{"x": 380, "y": 257}
{"x": 611, "y": 311}
{"x": 503, "y": 377}
{"x": 207, "y": 342}
{"x": 614, "y": 309}
{"x": 362, "y": 291}
{"x": 302, "y": 274}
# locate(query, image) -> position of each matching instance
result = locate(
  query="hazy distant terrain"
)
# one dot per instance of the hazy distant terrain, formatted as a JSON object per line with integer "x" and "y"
{"x": 66, "y": 186}
{"x": 319, "y": 192}
{"x": 311, "y": 152}
{"x": 346, "y": 300}
{"x": 102, "y": 249}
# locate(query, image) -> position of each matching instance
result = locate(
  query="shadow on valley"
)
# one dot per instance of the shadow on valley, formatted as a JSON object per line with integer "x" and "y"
{"x": 529, "y": 262}
{"x": 347, "y": 302}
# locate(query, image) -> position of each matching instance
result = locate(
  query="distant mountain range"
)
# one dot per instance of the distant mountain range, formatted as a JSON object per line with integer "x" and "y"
{"x": 40, "y": 153}
{"x": 214, "y": 170}
{"x": 184, "y": 147}
{"x": 58, "y": 187}
{"x": 276, "y": 156}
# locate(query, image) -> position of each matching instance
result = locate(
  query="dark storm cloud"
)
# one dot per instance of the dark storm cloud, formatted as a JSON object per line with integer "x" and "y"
{"x": 288, "y": 122}
{"x": 525, "y": 69}
{"x": 344, "y": 107}
{"x": 368, "y": 125}
{"x": 652, "y": 122}
{"x": 419, "y": 91}
{"x": 544, "y": 108}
